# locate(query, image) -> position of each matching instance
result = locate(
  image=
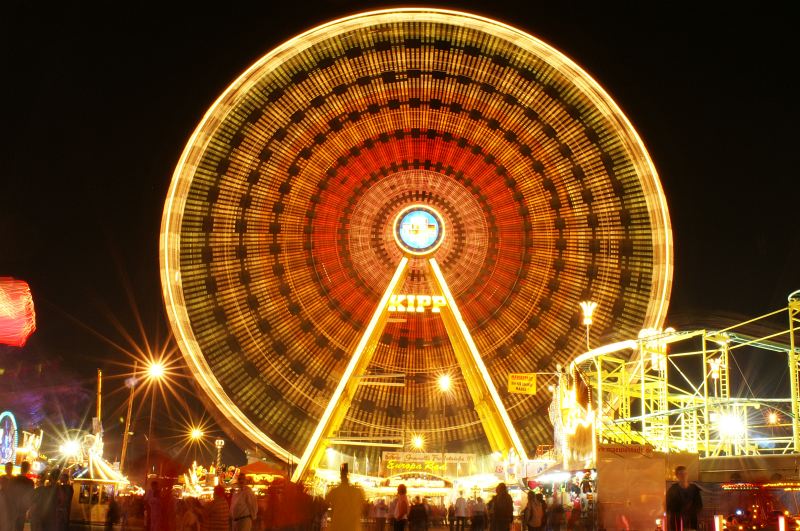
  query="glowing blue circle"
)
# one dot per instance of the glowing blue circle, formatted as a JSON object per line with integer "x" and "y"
{"x": 419, "y": 230}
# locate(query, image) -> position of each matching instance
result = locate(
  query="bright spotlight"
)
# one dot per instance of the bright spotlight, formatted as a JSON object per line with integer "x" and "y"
{"x": 730, "y": 426}
{"x": 196, "y": 434}
{"x": 445, "y": 382}
{"x": 70, "y": 448}
{"x": 588, "y": 308}
{"x": 772, "y": 418}
{"x": 156, "y": 370}
{"x": 417, "y": 442}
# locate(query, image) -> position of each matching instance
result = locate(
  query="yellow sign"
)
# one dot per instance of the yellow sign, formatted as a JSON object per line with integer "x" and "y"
{"x": 416, "y": 303}
{"x": 522, "y": 383}
{"x": 395, "y": 467}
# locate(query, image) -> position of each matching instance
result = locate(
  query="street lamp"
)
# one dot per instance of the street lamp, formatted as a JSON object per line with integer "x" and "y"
{"x": 219, "y": 443}
{"x": 588, "y": 308}
{"x": 70, "y": 449}
{"x": 195, "y": 437}
{"x": 131, "y": 383}
{"x": 445, "y": 384}
{"x": 155, "y": 371}
{"x": 772, "y": 420}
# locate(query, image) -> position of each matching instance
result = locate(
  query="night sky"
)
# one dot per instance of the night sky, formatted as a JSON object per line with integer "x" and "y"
{"x": 98, "y": 106}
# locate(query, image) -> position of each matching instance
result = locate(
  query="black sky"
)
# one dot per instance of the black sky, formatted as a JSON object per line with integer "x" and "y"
{"x": 99, "y": 101}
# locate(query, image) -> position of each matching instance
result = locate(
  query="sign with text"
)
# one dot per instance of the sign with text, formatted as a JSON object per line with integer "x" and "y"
{"x": 416, "y": 303}
{"x": 522, "y": 383}
{"x": 536, "y": 467}
{"x": 431, "y": 462}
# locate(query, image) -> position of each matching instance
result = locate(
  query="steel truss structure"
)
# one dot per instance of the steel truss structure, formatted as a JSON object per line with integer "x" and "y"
{"x": 499, "y": 430}
{"x": 672, "y": 389}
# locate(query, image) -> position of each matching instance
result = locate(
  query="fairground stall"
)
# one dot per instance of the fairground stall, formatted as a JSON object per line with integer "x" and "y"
{"x": 95, "y": 481}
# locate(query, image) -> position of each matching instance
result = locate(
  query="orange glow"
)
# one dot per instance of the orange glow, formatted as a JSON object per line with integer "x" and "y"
{"x": 156, "y": 370}
{"x": 445, "y": 383}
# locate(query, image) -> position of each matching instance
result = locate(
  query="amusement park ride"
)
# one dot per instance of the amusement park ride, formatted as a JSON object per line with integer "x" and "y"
{"x": 416, "y": 195}
{"x": 286, "y": 276}
{"x": 646, "y": 394}
{"x": 410, "y": 194}
{"x": 416, "y": 242}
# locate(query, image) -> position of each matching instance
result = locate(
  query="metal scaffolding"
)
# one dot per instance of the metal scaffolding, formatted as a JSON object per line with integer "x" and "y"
{"x": 672, "y": 389}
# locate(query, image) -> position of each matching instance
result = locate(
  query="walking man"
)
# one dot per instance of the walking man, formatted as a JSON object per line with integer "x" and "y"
{"x": 683, "y": 502}
{"x": 347, "y": 504}
{"x": 461, "y": 512}
{"x": 244, "y": 507}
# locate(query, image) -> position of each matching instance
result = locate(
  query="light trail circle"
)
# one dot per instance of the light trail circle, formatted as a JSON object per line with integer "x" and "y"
{"x": 277, "y": 236}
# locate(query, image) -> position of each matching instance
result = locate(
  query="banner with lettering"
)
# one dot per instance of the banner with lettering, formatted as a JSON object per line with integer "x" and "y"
{"x": 393, "y": 463}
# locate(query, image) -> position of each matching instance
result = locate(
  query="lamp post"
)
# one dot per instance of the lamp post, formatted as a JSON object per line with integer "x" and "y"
{"x": 444, "y": 383}
{"x": 219, "y": 443}
{"x": 131, "y": 383}
{"x": 155, "y": 371}
{"x": 195, "y": 436}
{"x": 772, "y": 419}
{"x": 588, "y": 308}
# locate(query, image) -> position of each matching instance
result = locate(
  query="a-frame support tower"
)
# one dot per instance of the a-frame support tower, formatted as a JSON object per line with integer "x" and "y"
{"x": 500, "y": 432}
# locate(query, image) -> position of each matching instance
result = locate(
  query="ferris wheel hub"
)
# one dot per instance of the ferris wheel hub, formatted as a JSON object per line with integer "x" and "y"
{"x": 419, "y": 230}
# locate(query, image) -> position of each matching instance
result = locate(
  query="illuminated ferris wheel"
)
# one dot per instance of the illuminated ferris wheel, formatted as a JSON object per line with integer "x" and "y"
{"x": 406, "y": 194}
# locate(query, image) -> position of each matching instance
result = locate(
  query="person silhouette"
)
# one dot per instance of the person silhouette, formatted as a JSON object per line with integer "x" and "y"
{"x": 346, "y": 502}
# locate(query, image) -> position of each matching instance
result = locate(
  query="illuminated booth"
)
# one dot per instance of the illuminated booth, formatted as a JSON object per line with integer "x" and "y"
{"x": 395, "y": 200}
{"x": 95, "y": 481}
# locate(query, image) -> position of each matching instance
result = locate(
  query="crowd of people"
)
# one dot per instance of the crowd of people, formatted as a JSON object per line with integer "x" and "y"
{"x": 284, "y": 506}
{"x": 567, "y": 509}
{"x": 287, "y": 506}
{"x": 46, "y": 506}
{"x": 348, "y": 508}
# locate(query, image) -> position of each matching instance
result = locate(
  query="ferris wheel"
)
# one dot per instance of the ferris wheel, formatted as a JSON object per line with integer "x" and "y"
{"x": 430, "y": 160}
